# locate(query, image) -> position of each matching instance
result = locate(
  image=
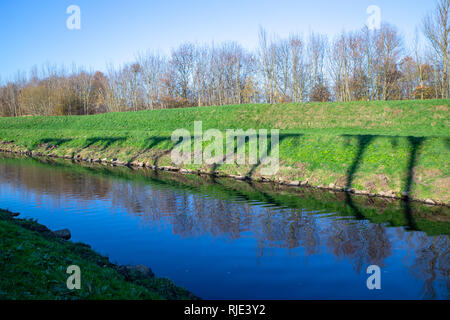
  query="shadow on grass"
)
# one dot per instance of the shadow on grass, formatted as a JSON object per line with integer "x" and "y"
{"x": 416, "y": 143}
{"x": 104, "y": 142}
{"x": 52, "y": 142}
{"x": 150, "y": 143}
{"x": 239, "y": 144}
{"x": 363, "y": 141}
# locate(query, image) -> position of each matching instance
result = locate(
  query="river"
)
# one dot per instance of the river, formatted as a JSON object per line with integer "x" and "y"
{"x": 226, "y": 239}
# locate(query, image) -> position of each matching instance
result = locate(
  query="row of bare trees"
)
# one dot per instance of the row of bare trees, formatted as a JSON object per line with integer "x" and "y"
{"x": 360, "y": 65}
{"x": 53, "y": 91}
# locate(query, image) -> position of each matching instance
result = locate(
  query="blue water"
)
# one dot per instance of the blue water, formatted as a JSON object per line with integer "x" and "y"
{"x": 227, "y": 248}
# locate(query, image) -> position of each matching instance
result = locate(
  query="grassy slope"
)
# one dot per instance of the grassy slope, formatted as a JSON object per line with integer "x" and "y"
{"x": 374, "y": 146}
{"x": 33, "y": 266}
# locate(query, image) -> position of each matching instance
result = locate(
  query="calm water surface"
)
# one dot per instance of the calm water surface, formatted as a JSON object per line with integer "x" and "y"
{"x": 221, "y": 243}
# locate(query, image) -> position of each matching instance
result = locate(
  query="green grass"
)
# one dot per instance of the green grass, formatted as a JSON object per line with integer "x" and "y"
{"x": 33, "y": 266}
{"x": 374, "y": 146}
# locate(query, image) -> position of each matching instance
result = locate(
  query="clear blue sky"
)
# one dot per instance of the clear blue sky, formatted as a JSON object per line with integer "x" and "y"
{"x": 34, "y": 32}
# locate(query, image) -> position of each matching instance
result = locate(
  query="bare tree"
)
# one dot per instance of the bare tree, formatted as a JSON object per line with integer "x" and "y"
{"x": 182, "y": 62}
{"x": 436, "y": 29}
{"x": 388, "y": 46}
{"x": 317, "y": 49}
{"x": 267, "y": 66}
{"x": 298, "y": 68}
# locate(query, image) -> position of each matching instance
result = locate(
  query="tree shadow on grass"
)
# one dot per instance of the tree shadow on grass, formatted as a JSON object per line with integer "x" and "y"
{"x": 415, "y": 143}
{"x": 447, "y": 143}
{"x": 157, "y": 140}
{"x": 363, "y": 142}
{"x": 52, "y": 142}
{"x": 150, "y": 143}
{"x": 281, "y": 138}
{"x": 260, "y": 160}
{"x": 104, "y": 142}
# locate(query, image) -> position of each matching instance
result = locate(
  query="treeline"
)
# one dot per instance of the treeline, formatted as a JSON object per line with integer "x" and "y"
{"x": 360, "y": 65}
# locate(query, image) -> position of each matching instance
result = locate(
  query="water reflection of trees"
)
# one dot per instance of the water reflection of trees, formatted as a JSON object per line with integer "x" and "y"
{"x": 191, "y": 215}
{"x": 431, "y": 263}
{"x": 362, "y": 243}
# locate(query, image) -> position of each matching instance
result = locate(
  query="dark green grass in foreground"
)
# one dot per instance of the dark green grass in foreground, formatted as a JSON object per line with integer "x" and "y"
{"x": 33, "y": 266}
{"x": 374, "y": 146}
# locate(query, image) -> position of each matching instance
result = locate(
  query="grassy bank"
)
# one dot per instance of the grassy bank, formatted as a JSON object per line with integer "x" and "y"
{"x": 33, "y": 265}
{"x": 380, "y": 147}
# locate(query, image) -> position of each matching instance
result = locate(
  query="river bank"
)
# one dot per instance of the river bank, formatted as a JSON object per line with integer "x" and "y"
{"x": 396, "y": 149}
{"x": 296, "y": 183}
{"x": 33, "y": 263}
